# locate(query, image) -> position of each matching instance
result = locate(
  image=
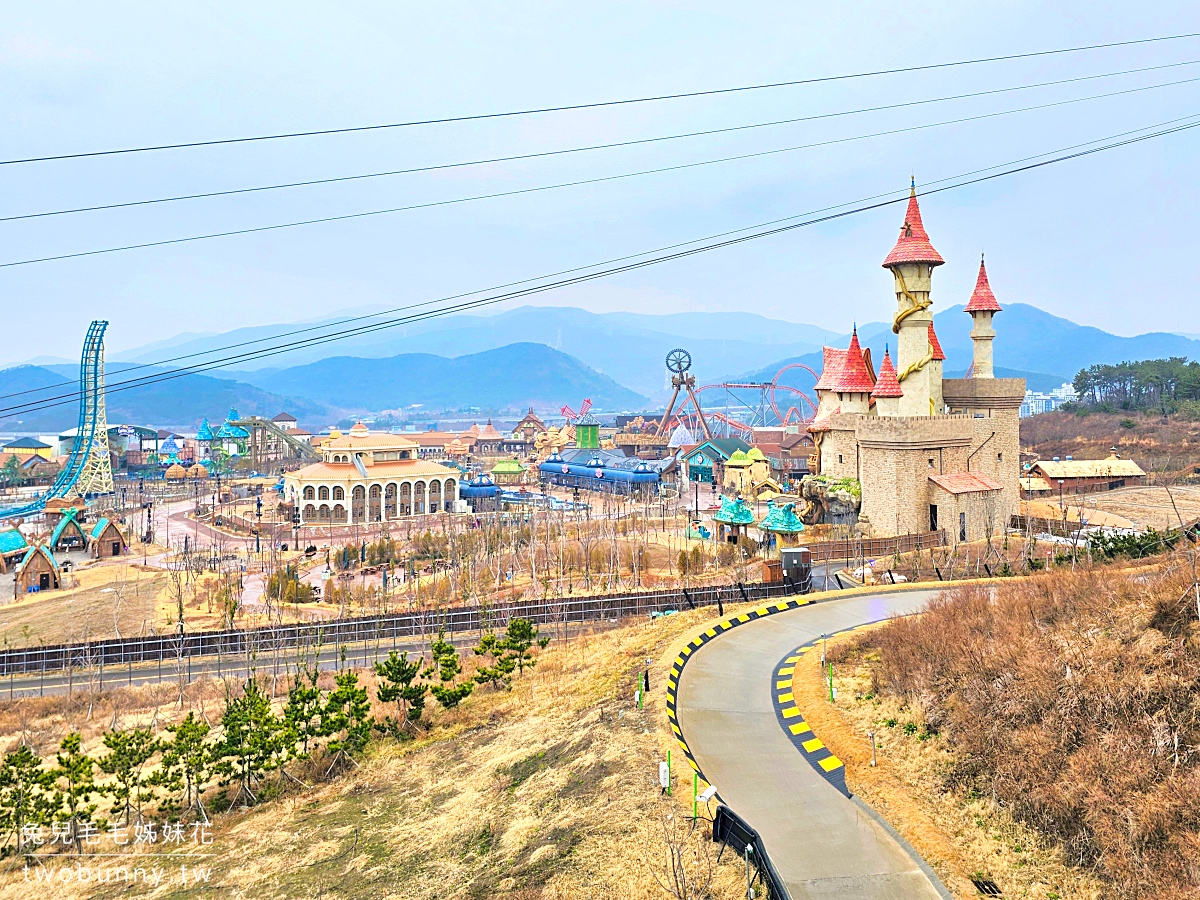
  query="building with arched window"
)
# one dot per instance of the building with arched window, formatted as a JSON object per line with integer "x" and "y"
{"x": 364, "y": 478}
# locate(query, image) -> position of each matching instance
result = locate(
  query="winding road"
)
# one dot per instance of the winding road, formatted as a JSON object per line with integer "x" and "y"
{"x": 822, "y": 844}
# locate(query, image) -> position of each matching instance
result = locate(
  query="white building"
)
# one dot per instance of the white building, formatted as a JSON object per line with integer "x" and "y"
{"x": 364, "y": 478}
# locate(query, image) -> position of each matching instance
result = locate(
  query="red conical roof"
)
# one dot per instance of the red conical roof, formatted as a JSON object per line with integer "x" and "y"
{"x": 938, "y": 355}
{"x": 854, "y": 377}
{"x": 913, "y": 245}
{"x": 887, "y": 385}
{"x": 983, "y": 300}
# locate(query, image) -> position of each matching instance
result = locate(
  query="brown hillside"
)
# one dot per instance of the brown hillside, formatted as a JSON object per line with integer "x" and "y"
{"x": 1158, "y": 445}
{"x": 1072, "y": 700}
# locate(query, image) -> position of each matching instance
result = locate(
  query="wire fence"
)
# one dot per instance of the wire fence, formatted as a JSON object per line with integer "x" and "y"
{"x": 237, "y": 644}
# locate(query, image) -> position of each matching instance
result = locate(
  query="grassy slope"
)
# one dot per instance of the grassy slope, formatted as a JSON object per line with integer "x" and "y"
{"x": 544, "y": 791}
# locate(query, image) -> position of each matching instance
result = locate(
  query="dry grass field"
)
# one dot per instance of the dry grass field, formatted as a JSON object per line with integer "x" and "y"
{"x": 1065, "y": 703}
{"x": 545, "y": 791}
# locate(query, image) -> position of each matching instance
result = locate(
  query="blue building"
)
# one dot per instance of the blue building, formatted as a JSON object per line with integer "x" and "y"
{"x": 606, "y": 471}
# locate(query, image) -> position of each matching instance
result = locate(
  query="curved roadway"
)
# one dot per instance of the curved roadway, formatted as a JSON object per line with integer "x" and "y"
{"x": 822, "y": 844}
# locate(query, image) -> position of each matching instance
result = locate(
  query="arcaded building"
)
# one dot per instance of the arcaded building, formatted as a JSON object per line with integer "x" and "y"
{"x": 364, "y": 478}
{"x": 929, "y": 453}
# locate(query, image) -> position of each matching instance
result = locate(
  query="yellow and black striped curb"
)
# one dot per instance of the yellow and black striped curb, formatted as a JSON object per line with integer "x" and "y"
{"x": 699, "y": 641}
{"x": 791, "y": 719}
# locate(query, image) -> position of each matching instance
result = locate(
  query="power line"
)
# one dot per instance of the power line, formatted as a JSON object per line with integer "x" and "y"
{"x": 619, "y": 259}
{"x": 598, "y": 104}
{"x": 1011, "y": 169}
{"x": 588, "y": 148}
{"x": 606, "y": 262}
{"x": 322, "y": 220}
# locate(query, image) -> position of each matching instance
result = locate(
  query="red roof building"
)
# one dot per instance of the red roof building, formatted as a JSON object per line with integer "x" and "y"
{"x": 887, "y": 385}
{"x": 982, "y": 300}
{"x": 938, "y": 355}
{"x": 913, "y": 245}
{"x": 845, "y": 371}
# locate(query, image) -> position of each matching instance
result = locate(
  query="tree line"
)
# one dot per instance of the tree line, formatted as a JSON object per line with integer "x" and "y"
{"x": 79, "y": 794}
{"x": 1152, "y": 384}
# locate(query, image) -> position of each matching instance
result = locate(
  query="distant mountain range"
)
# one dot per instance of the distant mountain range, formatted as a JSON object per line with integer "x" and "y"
{"x": 509, "y": 377}
{"x": 545, "y": 357}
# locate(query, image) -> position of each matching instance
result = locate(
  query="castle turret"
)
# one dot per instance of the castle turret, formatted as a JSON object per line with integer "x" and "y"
{"x": 936, "y": 357}
{"x": 982, "y": 307}
{"x": 887, "y": 391}
{"x": 912, "y": 261}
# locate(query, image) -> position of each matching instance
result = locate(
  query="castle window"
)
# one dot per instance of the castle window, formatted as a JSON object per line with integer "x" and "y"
{"x": 839, "y": 457}
{"x": 931, "y": 462}
{"x": 999, "y": 457}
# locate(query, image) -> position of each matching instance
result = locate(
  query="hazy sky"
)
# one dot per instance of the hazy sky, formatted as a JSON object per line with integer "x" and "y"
{"x": 1109, "y": 240}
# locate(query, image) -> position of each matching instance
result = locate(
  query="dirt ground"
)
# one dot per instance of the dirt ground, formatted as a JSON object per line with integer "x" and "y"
{"x": 1148, "y": 507}
{"x": 960, "y": 837}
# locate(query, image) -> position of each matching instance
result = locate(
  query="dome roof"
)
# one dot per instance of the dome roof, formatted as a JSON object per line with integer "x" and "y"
{"x": 197, "y": 471}
{"x": 359, "y": 430}
{"x": 755, "y": 455}
{"x": 175, "y": 473}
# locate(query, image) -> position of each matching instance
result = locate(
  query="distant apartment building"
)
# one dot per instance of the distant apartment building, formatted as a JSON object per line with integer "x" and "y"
{"x": 1037, "y": 402}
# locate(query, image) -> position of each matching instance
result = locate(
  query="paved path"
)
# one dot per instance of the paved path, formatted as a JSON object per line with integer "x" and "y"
{"x": 822, "y": 844}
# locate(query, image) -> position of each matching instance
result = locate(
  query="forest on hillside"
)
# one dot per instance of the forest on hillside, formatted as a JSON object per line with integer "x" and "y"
{"x": 1158, "y": 385}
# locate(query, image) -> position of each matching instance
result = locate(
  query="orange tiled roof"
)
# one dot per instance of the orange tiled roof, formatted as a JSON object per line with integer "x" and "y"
{"x": 965, "y": 482}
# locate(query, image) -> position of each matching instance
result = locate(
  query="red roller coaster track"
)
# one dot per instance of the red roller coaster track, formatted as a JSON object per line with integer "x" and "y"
{"x": 793, "y": 414}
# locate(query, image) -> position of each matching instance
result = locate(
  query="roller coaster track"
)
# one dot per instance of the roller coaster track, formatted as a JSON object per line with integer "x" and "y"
{"x": 88, "y": 471}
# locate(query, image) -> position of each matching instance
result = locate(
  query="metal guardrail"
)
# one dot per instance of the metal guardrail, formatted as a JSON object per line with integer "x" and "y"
{"x": 392, "y": 627}
{"x": 731, "y": 830}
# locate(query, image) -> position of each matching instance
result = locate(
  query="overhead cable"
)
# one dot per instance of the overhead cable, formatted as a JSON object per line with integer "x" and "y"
{"x": 599, "y": 104}
{"x": 322, "y": 220}
{"x": 68, "y": 399}
{"x": 203, "y": 195}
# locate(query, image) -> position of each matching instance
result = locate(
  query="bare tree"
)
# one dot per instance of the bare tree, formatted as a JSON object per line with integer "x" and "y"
{"x": 686, "y": 870}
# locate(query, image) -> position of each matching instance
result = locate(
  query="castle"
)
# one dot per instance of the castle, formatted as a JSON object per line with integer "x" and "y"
{"x": 928, "y": 453}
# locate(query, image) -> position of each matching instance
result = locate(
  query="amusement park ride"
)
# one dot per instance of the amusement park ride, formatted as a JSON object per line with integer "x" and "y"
{"x": 747, "y": 405}
{"x": 88, "y": 470}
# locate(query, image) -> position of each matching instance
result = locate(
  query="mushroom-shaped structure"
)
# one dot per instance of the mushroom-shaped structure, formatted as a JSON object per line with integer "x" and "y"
{"x": 176, "y": 473}
{"x": 197, "y": 471}
{"x": 734, "y": 512}
{"x": 782, "y": 521}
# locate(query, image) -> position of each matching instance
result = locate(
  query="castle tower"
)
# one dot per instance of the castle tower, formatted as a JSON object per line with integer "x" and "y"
{"x": 936, "y": 357}
{"x": 887, "y": 391}
{"x": 982, "y": 307}
{"x": 912, "y": 261}
{"x": 853, "y": 384}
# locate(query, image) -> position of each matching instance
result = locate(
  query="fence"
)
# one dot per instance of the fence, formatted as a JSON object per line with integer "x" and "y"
{"x": 334, "y": 634}
{"x": 731, "y": 830}
{"x": 871, "y": 548}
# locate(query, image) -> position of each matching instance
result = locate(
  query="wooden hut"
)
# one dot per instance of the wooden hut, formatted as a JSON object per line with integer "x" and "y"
{"x": 38, "y": 571}
{"x": 57, "y": 507}
{"x": 106, "y": 540}
{"x": 68, "y": 534}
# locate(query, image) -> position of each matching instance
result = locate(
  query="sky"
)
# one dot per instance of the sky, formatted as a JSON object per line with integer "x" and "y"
{"x": 1107, "y": 240}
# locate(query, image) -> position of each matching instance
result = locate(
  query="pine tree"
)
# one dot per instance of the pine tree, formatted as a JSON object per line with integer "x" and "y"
{"x": 75, "y": 783}
{"x": 187, "y": 763}
{"x": 447, "y": 666}
{"x": 129, "y": 751}
{"x": 304, "y": 709}
{"x": 347, "y": 718}
{"x": 499, "y": 673}
{"x": 519, "y": 641}
{"x": 255, "y": 742}
{"x": 398, "y": 685}
{"x": 26, "y": 794}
